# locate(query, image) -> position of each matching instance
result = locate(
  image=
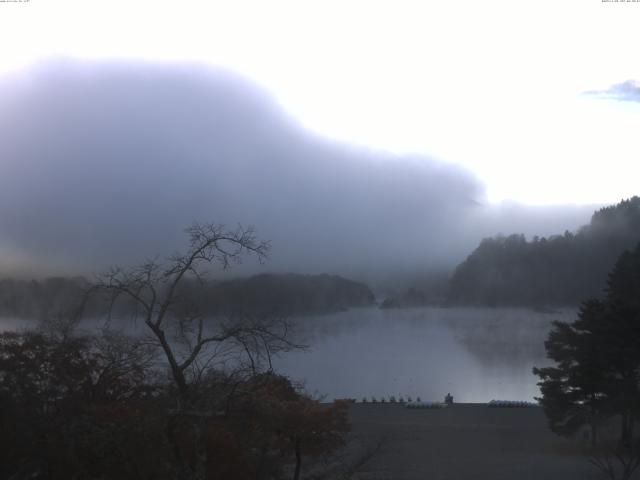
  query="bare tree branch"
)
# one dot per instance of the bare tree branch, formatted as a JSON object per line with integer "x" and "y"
{"x": 153, "y": 288}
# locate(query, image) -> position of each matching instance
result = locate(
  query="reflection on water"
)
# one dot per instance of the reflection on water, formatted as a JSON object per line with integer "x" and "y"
{"x": 476, "y": 354}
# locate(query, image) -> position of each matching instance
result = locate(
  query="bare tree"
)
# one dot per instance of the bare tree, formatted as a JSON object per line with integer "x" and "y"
{"x": 190, "y": 342}
{"x": 617, "y": 463}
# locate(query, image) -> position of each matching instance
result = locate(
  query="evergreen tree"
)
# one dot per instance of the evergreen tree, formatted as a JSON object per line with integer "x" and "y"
{"x": 597, "y": 372}
{"x": 574, "y": 392}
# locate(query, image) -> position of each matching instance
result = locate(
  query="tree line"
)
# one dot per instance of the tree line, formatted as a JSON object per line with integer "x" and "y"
{"x": 282, "y": 294}
{"x": 558, "y": 270}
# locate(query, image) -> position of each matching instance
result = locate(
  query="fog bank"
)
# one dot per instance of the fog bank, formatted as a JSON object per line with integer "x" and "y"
{"x": 107, "y": 162}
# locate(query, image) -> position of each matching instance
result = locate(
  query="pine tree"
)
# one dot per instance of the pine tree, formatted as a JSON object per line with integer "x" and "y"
{"x": 597, "y": 372}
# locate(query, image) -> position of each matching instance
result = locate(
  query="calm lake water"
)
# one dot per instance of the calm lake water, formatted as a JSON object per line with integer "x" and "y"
{"x": 476, "y": 354}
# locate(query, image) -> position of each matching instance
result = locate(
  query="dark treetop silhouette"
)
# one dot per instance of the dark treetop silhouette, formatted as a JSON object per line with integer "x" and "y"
{"x": 597, "y": 375}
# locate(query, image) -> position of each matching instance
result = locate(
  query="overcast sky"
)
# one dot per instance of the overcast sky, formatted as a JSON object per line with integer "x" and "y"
{"x": 536, "y": 98}
{"x": 360, "y": 138}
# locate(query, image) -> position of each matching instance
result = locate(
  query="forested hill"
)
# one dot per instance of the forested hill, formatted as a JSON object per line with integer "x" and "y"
{"x": 283, "y": 294}
{"x": 286, "y": 294}
{"x": 559, "y": 270}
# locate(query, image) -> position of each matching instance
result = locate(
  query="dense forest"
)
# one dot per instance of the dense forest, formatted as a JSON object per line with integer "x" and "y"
{"x": 276, "y": 294}
{"x": 288, "y": 294}
{"x": 559, "y": 270}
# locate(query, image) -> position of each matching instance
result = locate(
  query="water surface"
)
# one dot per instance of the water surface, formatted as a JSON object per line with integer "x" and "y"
{"x": 477, "y": 354}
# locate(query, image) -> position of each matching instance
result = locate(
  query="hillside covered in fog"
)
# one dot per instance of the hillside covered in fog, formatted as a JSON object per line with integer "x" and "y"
{"x": 556, "y": 270}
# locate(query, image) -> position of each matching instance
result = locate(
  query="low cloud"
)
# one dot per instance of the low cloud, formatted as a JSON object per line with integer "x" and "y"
{"x": 628, "y": 91}
{"x": 107, "y": 163}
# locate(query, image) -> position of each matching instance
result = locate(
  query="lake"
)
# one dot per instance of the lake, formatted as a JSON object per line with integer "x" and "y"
{"x": 476, "y": 354}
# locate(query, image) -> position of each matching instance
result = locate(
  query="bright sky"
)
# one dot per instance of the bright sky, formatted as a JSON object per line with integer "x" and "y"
{"x": 493, "y": 85}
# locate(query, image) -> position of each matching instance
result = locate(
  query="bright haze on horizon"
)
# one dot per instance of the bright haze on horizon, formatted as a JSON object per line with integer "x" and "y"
{"x": 353, "y": 135}
{"x": 498, "y": 87}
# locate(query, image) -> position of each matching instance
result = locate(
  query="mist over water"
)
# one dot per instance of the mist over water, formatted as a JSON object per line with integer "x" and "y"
{"x": 477, "y": 354}
{"x": 16, "y": 324}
